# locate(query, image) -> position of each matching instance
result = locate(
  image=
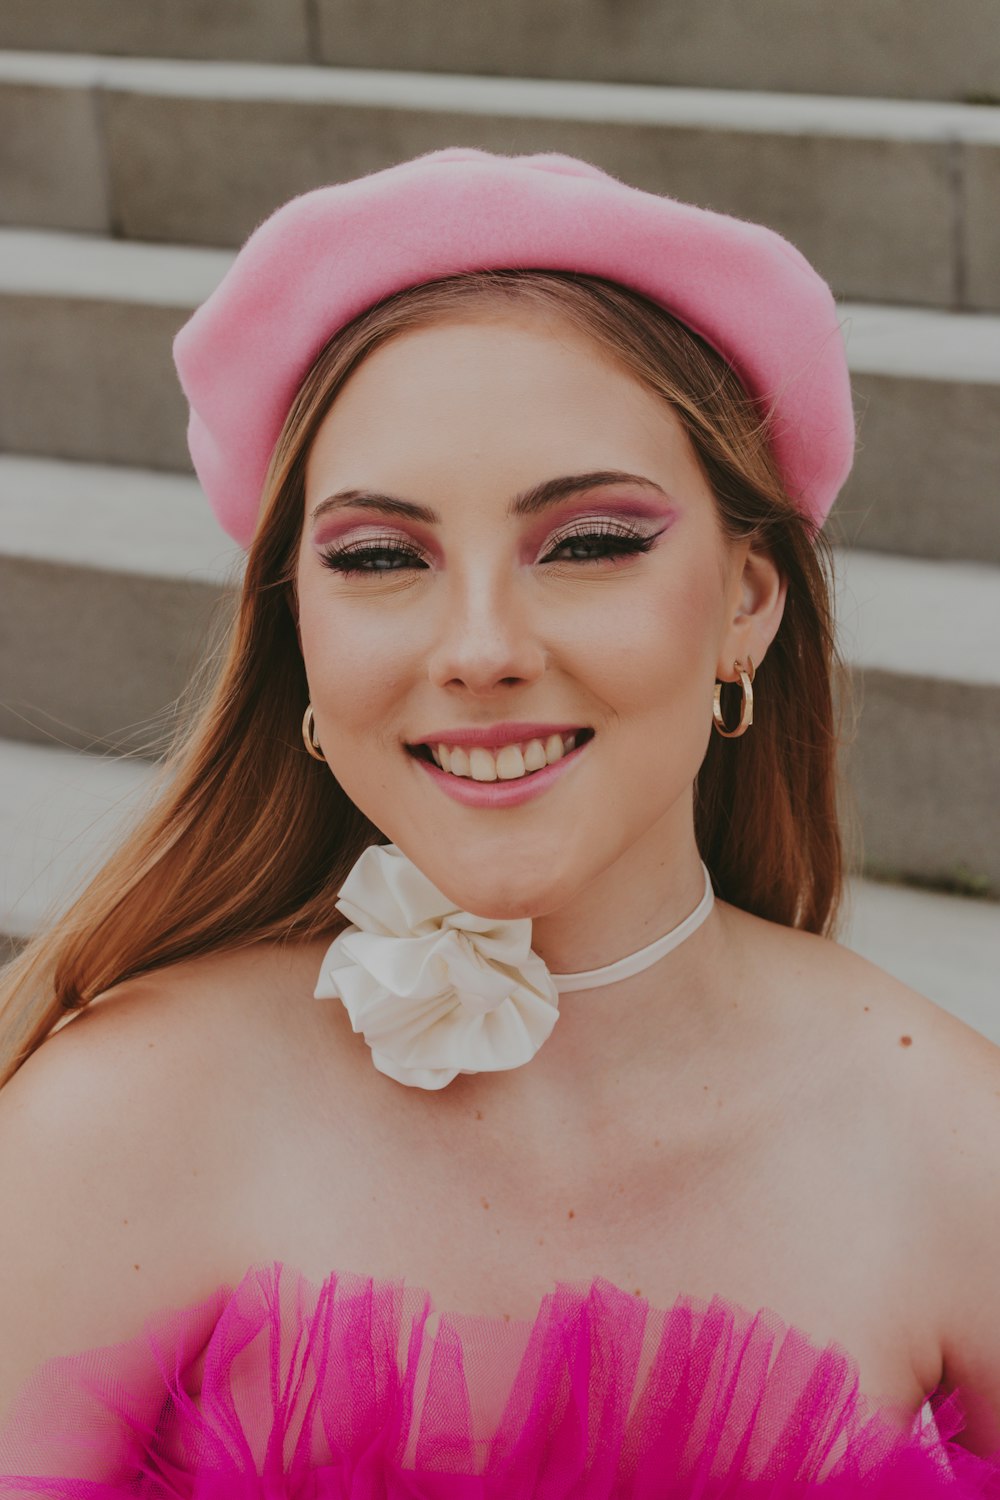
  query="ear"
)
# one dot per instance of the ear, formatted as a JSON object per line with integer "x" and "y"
{"x": 756, "y": 605}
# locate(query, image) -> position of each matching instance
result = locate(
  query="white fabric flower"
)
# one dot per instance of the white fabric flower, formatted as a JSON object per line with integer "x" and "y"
{"x": 434, "y": 990}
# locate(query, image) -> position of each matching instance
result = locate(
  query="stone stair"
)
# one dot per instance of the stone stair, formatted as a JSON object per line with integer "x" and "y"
{"x": 139, "y": 145}
{"x": 808, "y": 46}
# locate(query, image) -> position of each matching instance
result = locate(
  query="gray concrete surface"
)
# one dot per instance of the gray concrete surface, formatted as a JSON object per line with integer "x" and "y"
{"x": 111, "y": 582}
{"x": 826, "y": 46}
{"x": 813, "y": 46}
{"x": 927, "y": 399}
{"x": 978, "y": 218}
{"x": 924, "y": 763}
{"x": 52, "y": 157}
{"x": 91, "y": 380}
{"x": 890, "y": 199}
{"x": 275, "y": 30}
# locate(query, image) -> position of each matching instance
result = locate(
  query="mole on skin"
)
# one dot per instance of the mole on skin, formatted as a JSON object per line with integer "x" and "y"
{"x": 905, "y": 1041}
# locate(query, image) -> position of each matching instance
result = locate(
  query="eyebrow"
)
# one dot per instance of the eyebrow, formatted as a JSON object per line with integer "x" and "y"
{"x": 527, "y": 503}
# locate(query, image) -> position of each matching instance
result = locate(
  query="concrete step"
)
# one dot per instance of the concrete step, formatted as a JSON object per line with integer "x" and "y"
{"x": 111, "y": 579}
{"x": 86, "y": 325}
{"x": 920, "y": 640}
{"x": 893, "y": 200}
{"x": 820, "y": 46}
{"x": 61, "y": 813}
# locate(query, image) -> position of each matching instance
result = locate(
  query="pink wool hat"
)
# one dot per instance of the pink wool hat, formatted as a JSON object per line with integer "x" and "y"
{"x": 326, "y": 256}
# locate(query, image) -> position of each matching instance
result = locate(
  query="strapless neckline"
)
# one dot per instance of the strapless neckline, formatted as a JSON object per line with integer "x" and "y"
{"x": 601, "y": 1395}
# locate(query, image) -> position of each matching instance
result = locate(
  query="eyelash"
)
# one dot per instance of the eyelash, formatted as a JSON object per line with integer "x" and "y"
{"x": 617, "y": 542}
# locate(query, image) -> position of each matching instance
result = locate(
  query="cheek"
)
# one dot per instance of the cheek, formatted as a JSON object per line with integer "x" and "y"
{"x": 656, "y": 649}
{"x": 355, "y": 663}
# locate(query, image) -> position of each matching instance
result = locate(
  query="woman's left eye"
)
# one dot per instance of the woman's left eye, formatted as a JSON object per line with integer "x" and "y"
{"x": 610, "y": 541}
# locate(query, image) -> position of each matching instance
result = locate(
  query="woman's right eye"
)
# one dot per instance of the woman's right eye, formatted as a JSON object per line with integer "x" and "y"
{"x": 353, "y": 559}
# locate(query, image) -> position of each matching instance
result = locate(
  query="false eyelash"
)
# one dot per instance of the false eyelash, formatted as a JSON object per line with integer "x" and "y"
{"x": 617, "y": 543}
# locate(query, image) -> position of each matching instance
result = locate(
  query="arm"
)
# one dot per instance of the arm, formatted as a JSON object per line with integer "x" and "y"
{"x": 93, "y": 1159}
{"x": 966, "y": 1161}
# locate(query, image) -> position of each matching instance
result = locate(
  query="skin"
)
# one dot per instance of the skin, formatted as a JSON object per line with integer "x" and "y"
{"x": 762, "y": 1115}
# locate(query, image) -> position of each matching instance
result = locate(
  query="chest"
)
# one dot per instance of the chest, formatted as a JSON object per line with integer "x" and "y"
{"x": 725, "y": 1203}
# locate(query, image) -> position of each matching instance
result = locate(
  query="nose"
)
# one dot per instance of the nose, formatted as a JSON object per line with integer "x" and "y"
{"x": 485, "y": 636}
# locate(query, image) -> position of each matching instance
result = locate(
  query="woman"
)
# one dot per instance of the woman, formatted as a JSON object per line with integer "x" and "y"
{"x": 469, "y": 1097}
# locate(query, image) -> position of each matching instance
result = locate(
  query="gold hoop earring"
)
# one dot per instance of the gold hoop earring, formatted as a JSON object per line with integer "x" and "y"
{"x": 311, "y": 744}
{"x": 746, "y": 710}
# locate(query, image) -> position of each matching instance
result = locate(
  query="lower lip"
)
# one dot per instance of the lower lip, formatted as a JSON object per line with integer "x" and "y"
{"x": 500, "y": 793}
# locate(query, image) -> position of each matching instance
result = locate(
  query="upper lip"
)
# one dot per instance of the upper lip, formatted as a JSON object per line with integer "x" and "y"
{"x": 496, "y": 734}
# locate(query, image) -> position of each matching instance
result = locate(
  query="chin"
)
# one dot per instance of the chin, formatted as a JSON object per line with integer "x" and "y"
{"x": 507, "y": 901}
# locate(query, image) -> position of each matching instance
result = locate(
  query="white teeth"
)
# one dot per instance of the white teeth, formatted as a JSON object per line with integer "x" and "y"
{"x": 482, "y": 765}
{"x": 555, "y": 749}
{"x": 510, "y": 762}
{"x": 534, "y": 755}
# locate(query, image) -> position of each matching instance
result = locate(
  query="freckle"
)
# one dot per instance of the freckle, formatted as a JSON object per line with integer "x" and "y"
{"x": 134, "y": 1266}
{"x": 484, "y": 1202}
{"x": 479, "y": 1114}
{"x": 150, "y": 1044}
{"x": 506, "y": 1317}
{"x": 124, "y": 1221}
{"x": 637, "y": 1292}
{"x": 571, "y": 1214}
{"x": 905, "y": 1041}
{"x": 867, "y": 1007}
{"x": 541, "y": 1242}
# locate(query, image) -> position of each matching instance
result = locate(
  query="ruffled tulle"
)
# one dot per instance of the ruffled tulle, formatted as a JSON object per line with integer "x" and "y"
{"x": 282, "y": 1387}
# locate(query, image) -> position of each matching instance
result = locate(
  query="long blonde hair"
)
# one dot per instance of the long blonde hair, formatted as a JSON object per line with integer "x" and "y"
{"x": 248, "y": 839}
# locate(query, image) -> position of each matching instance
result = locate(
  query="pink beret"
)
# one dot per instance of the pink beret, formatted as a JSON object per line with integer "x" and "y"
{"x": 325, "y": 256}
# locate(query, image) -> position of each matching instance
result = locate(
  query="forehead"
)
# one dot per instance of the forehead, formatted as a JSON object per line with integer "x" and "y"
{"x": 493, "y": 387}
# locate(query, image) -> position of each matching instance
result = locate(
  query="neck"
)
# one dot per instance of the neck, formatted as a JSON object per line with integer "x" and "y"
{"x": 642, "y": 958}
{"x": 677, "y": 1002}
{"x": 645, "y": 894}
{"x": 653, "y": 1036}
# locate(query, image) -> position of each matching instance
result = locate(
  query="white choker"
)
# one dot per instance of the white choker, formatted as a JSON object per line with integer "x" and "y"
{"x": 437, "y": 991}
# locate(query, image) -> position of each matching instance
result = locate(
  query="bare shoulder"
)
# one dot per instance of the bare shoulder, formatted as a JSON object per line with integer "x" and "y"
{"x": 117, "y": 1143}
{"x": 931, "y": 1078}
{"x": 941, "y": 1112}
{"x": 841, "y": 989}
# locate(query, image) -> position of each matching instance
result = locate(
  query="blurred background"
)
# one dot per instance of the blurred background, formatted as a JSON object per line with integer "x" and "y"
{"x": 141, "y": 141}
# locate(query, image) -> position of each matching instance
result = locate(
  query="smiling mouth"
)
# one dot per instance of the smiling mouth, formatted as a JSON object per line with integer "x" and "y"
{"x": 423, "y": 752}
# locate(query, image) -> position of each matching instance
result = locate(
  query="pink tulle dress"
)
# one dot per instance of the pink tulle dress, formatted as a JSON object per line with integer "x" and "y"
{"x": 285, "y": 1387}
